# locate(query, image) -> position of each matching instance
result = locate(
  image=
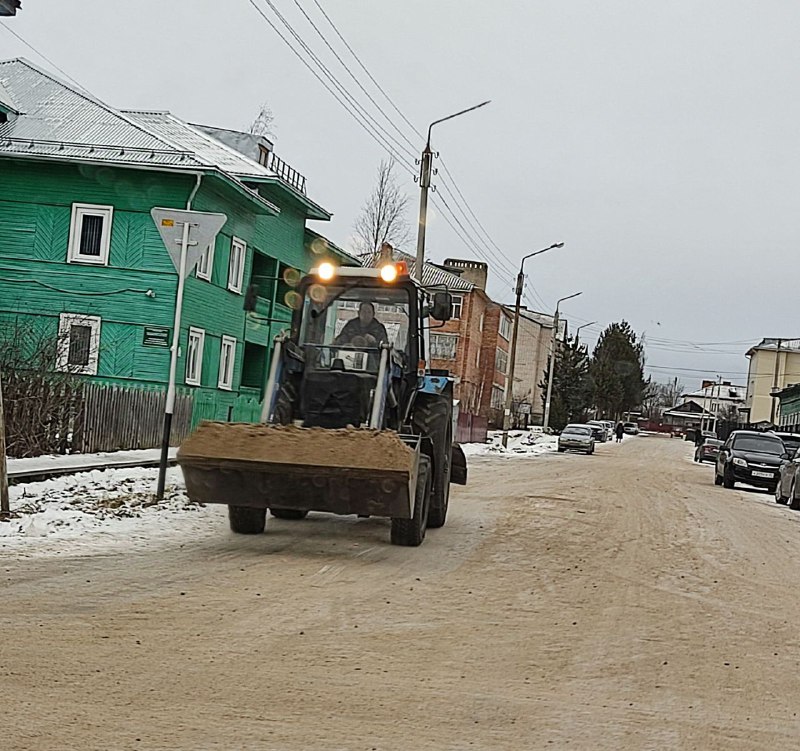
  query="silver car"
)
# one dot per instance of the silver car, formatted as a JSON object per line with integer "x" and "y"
{"x": 576, "y": 437}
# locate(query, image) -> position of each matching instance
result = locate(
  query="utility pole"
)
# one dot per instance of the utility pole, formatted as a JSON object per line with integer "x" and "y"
{"x": 5, "y": 509}
{"x": 424, "y": 186}
{"x": 775, "y": 381}
{"x": 551, "y": 366}
{"x": 510, "y": 381}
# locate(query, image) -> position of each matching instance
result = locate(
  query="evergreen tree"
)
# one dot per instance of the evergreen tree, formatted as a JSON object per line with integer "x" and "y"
{"x": 617, "y": 370}
{"x": 571, "y": 395}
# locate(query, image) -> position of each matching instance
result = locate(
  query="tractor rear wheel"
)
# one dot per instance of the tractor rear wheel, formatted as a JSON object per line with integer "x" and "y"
{"x": 433, "y": 418}
{"x": 411, "y": 532}
{"x": 287, "y": 513}
{"x": 245, "y": 520}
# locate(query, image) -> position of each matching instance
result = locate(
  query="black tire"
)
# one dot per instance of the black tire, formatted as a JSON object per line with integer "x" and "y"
{"x": 778, "y": 497}
{"x": 245, "y": 520}
{"x": 560, "y": 450}
{"x": 288, "y": 513}
{"x": 727, "y": 479}
{"x": 794, "y": 503}
{"x": 434, "y": 418}
{"x": 411, "y": 532}
{"x": 717, "y": 478}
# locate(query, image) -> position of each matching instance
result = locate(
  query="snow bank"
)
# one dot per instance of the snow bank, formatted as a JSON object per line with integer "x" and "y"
{"x": 520, "y": 443}
{"x": 99, "y": 510}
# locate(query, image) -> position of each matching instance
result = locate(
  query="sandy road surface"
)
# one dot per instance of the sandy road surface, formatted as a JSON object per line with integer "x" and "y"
{"x": 618, "y": 601}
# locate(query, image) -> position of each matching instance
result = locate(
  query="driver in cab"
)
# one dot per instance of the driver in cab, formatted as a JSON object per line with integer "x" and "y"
{"x": 365, "y": 330}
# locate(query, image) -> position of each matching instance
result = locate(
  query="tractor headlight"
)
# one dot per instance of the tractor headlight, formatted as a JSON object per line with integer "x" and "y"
{"x": 389, "y": 272}
{"x": 326, "y": 271}
{"x": 739, "y": 462}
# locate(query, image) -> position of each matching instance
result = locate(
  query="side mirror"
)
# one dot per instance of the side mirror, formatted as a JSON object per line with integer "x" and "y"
{"x": 442, "y": 308}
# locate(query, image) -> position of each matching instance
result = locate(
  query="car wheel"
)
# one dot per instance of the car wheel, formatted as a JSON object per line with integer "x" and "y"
{"x": 727, "y": 478}
{"x": 794, "y": 504}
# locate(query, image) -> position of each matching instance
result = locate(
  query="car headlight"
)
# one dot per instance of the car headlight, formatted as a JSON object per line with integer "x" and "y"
{"x": 739, "y": 462}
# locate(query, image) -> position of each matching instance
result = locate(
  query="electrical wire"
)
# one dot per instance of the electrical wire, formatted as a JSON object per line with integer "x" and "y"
{"x": 42, "y": 55}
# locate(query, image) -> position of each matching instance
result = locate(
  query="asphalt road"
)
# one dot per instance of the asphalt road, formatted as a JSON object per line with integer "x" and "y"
{"x": 618, "y": 601}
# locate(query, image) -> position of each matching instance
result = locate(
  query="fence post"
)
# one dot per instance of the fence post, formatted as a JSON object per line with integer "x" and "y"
{"x": 5, "y": 510}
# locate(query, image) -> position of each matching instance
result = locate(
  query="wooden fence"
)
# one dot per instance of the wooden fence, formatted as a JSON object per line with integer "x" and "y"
{"x": 115, "y": 418}
{"x": 471, "y": 428}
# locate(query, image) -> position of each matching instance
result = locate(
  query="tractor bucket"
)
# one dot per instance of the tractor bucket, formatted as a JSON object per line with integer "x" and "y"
{"x": 343, "y": 471}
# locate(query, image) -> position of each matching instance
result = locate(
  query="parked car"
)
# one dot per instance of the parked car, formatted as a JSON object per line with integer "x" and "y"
{"x": 599, "y": 430}
{"x": 576, "y": 437}
{"x": 785, "y": 490}
{"x": 707, "y": 451}
{"x": 610, "y": 424}
{"x": 631, "y": 428}
{"x": 790, "y": 440}
{"x": 751, "y": 457}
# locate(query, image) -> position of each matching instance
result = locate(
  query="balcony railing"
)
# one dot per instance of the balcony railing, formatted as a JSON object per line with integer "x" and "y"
{"x": 286, "y": 173}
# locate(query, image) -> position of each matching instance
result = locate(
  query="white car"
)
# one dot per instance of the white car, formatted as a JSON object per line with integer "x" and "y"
{"x": 576, "y": 437}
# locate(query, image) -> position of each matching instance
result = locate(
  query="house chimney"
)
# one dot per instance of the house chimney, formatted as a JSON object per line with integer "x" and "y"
{"x": 474, "y": 272}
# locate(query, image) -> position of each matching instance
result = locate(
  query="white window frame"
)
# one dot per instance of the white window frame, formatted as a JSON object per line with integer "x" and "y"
{"x": 194, "y": 376}
{"x": 207, "y": 257}
{"x": 65, "y": 323}
{"x": 225, "y": 380}
{"x": 236, "y": 270}
{"x": 505, "y": 327}
{"x": 457, "y": 306}
{"x": 79, "y": 211}
{"x": 451, "y": 339}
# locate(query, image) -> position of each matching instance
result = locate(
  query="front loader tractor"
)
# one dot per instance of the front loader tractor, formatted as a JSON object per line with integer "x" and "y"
{"x": 354, "y": 421}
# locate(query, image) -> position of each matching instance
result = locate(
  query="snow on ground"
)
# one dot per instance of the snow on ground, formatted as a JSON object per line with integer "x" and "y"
{"x": 99, "y": 510}
{"x": 520, "y": 443}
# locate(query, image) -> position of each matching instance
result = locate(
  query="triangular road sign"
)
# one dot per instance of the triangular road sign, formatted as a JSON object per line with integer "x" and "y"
{"x": 203, "y": 228}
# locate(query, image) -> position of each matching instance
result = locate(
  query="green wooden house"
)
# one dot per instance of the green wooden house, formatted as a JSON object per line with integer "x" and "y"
{"x": 82, "y": 261}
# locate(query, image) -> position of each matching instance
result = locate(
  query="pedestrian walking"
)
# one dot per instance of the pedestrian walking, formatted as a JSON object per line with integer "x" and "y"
{"x": 619, "y": 430}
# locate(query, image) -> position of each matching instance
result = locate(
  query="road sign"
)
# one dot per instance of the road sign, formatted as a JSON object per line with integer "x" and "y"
{"x": 203, "y": 228}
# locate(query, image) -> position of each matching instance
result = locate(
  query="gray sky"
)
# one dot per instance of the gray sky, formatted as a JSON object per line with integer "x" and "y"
{"x": 658, "y": 140}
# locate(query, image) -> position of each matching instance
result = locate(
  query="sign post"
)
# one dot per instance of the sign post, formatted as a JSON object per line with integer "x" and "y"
{"x": 186, "y": 235}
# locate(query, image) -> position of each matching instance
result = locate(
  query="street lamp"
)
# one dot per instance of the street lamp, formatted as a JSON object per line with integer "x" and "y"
{"x": 510, "y": 384}
{"x": 578, "y": 330}
{"x": 551, "y": 366}
{"x": 425, "y": 183}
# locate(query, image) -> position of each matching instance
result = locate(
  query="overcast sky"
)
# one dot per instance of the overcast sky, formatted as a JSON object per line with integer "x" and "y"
{"x": 657, "y": 140}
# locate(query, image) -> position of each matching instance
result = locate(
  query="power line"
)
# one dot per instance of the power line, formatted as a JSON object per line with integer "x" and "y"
{"x": 502, "y": 260}
{"x": 359, "y": 118}
{"x": 42, "y": 55}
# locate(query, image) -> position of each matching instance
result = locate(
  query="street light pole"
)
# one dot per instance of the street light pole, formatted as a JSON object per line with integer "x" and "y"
{"x": 510, "y": 381}
{"x": 425, "y": 184}
{"x": 551, "y": 366}
{"x": 578, "y": 330}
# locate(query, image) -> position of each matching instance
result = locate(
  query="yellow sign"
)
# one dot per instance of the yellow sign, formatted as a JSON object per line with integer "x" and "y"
{"x": 167, "y": 222}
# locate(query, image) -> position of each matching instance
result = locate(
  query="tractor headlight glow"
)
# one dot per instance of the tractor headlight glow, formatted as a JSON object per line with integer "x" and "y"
{"x": 389, "y": 272}
{"x": 326, "y": 271}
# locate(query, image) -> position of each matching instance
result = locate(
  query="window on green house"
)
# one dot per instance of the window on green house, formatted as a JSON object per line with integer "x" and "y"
{"x": 254, "y": 365}
{"x": 206, "y": 263}
{"x": 236, "y": 265}
{"x": 90, "y": 234}
{"x": 194, "y": 356}
{"x": 227, "y": 359}
{"x": 78, "y": 343}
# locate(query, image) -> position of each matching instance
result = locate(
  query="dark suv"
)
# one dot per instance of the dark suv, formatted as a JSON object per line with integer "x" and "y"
{"x": 751, "y": 457}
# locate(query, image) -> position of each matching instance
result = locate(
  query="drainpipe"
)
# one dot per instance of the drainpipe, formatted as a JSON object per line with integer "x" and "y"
{"x": 198, "y": 180}
{"x": 775, "y": 380}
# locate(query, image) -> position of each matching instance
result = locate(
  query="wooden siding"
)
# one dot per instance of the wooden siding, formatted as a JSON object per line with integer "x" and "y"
{"x": 36, "y": 281}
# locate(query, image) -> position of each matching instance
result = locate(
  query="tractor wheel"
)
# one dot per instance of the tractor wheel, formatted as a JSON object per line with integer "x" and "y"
{"x": 411, "y": 532}
{"x": 433, "y": 418}
{"x": 287, "y": 513}
{"x": 245, "y": 520}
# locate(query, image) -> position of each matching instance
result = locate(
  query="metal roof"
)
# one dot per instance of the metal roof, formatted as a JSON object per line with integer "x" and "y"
{"x": 207, "y": 149}
{"x": 54, "y": 115}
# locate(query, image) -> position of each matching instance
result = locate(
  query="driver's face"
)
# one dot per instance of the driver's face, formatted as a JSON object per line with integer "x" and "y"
{"x": 365, "y": 314}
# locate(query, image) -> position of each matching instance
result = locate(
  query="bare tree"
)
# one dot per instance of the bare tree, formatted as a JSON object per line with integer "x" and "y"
{"x": 383, "y": 218}
{"x": 264, "y": 124}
